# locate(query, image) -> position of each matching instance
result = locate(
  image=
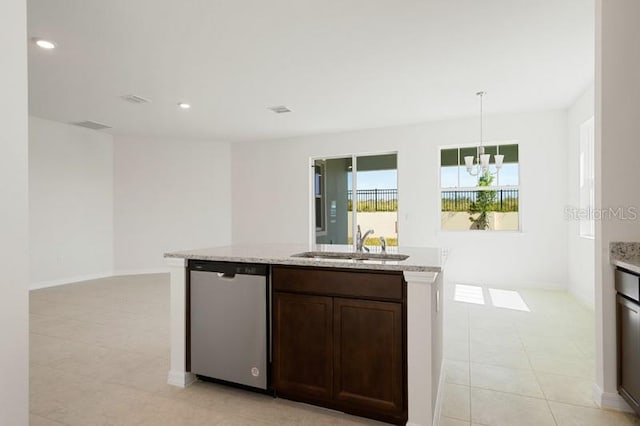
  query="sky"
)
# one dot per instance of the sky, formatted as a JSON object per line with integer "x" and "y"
{"x": 388, "y": 179}
{"x": 376, "y": 179}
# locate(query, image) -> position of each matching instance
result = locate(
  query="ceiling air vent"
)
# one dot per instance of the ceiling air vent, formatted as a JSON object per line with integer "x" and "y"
{"x": 135, "y": 99}
{"x": 94, "y": 125}
{"x": 280, "y": 109}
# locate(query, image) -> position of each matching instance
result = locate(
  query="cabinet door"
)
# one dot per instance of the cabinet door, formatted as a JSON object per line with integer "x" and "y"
{"x": 629, "y": 350}
{"x": 303, "y": 346}
{"x": 368, "y": 356}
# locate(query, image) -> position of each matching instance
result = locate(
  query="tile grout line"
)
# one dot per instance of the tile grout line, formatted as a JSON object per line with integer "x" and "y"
{"x": 530, "y": 352}
{"x": 97, "y": 345}
{"x": 529, "y": 369}
{"x": 535, "y": 373}
{"x": 573, "y": 404}
{"x": 48, "y": 418}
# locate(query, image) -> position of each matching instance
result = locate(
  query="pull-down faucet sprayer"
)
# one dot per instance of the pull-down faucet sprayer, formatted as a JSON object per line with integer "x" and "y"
{"x": 360, "y": 239}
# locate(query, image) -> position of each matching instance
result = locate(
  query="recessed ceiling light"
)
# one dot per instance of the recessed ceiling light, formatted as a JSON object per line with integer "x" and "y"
{"x": 280, "y": 109}
{"x": 184, "y": 105}
{"x": 45, "y": 44}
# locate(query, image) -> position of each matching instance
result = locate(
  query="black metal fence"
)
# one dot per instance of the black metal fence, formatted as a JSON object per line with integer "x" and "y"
{"x": 505, "y": 200}
{"x": 374, "y": 200}
{"x": 386, "y": 200}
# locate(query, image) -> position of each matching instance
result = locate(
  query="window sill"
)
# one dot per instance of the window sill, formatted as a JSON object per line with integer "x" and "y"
{"x": 477, "y": 231}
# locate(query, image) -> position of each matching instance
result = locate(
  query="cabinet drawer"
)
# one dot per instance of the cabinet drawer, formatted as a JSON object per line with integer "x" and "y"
{"x": 628, "y": 284}
{"x": 383, "y": 285}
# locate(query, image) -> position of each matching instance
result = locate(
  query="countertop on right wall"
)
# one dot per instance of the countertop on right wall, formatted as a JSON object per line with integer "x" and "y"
{"x": 625, "y": 255}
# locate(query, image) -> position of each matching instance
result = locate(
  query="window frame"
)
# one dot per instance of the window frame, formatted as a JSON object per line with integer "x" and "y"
{"x": 440, "y": 148}
{"x": 322, "y": 230}
{"x": 586, "y": 181}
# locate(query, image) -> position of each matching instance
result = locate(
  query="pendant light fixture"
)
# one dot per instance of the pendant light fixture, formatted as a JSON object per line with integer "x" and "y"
{"x": 481, "y": 165}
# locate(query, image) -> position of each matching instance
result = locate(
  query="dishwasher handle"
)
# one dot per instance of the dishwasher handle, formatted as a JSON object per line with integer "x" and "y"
{"x": 226, "y": 275}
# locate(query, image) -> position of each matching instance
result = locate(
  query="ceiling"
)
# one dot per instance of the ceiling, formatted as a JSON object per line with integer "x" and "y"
{"x": 338, "y": 64}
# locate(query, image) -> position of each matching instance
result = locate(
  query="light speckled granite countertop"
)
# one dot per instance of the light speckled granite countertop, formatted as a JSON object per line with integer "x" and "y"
{"x": 420, "y": 259}
{"x": 625, "y": 255}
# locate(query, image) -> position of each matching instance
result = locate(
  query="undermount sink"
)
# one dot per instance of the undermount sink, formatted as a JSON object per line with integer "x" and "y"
{"x": 350, "y": 255}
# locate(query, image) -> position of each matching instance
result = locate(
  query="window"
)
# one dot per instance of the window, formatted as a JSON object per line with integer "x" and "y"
{"x": 489, "y": 202}
{"x": 587, "y": 179}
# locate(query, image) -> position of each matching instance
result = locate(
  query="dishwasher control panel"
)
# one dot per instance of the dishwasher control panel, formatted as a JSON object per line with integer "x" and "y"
{"x": 229, "y": 268}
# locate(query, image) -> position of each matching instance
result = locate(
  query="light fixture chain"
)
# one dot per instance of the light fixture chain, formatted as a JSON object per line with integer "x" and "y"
{"x": 481, "y": 93}
{"x": 481, "y": 146}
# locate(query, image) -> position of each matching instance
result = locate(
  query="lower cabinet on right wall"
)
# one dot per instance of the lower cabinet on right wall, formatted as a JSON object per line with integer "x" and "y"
{"x": 346, "y": 353}
{"x": 628, "y": 324}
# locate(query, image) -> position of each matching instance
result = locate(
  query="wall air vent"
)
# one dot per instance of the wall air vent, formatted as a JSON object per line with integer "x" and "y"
{"x": 93, "y": 125}
{"x": 280, "y": 109}
{"x": 135, "y": 99}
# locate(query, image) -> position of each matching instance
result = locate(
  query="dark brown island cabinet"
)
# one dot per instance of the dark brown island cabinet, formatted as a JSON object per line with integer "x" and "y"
{"x": 628, "y": 324}
{"x": 339, "y": 340}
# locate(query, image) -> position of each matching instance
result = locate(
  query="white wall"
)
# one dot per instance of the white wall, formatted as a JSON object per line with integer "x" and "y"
{"x": 71, "y": 203}
{"x": 580, "y": 250}
{"x": 169, "y": 195}
{"x": 271, "y": 188}
{"x": 14, "y": 260}
{"x": 617, "y": 173}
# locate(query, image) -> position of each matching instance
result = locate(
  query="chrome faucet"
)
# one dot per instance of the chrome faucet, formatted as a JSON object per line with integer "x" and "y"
{"x": 360, "y": 239}
{"x": 383, "y": 245}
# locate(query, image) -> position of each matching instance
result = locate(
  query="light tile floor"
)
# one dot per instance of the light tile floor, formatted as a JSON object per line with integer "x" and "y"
{"x": 100, "y": 349}
{"x": 100, "y": 356}
{"x": 529, "y": 362}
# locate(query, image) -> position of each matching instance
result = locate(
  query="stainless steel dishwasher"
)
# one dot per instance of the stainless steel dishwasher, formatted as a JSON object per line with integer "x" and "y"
{"x": 229, "y": 323}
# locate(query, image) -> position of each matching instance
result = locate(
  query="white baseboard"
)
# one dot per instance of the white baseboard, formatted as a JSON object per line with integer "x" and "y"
{"x": 119, "y": 272}
{"x": 581, "y": 298}
{"x": 610, "y": 400}
{"x": 181, "y": 379}
{"x": 69, "y": 280}
{"x": 437, "y": 412}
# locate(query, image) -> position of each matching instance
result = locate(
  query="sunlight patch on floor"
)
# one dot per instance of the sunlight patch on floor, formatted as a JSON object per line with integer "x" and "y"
{"x": 508, "y": 299}
{"x": 469, "y": 294}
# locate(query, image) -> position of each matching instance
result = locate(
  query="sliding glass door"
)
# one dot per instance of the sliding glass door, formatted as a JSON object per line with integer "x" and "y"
{"x": 352, "y": 191}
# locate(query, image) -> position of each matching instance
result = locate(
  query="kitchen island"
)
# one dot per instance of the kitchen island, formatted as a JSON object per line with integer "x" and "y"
{"x": 419, "y": 298}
